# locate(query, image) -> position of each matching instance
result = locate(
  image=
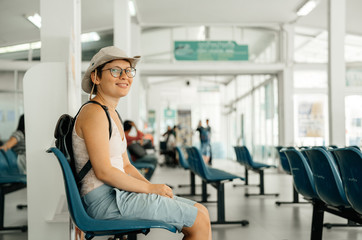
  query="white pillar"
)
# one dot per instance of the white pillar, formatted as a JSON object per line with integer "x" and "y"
{"x": 285, "y": 88}
{"x": 126, "y": 37}
{"x": 50, "y": 89}
{"x": 122, "y": 40}
{"x": 337, "y": 72}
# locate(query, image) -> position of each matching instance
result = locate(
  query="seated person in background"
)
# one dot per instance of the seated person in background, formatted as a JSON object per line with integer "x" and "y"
{"x": 170, "y": 152}
{"x": 142, "y": 157}
{"x": 17, "y": 143}
{"x": 140, "y": 136}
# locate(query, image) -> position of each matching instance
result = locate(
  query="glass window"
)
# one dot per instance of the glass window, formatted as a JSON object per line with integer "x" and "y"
{"x": 354, "y": 77}
{"x": 354, "y": 120}
{"x": 310, "y": 79}
{"x": 311, "y": 119}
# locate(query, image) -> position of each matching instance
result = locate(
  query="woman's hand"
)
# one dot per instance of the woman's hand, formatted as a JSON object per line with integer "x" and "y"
{"x": 162, "y": 190}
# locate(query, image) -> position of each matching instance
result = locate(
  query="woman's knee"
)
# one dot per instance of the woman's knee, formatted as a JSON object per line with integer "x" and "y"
{"x": 200, "y": 227}
{"x": 203, "y": 209}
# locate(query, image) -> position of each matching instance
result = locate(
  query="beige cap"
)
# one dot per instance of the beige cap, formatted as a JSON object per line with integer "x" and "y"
{"x": 105, "y": 55}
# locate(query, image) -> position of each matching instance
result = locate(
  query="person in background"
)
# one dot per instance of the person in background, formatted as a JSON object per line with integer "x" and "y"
{"x": 128, "y": 125}
{"x": 113, "y": 188}
{"x": 204, "y": 142}
{"x": 17, "y": 143}
{"x": 208, "y": 129}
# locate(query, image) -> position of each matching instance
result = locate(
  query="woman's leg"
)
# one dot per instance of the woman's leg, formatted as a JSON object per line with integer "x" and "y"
{"x": 201, "y": 229}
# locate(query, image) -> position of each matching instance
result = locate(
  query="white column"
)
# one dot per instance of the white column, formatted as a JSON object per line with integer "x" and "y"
{"x": 285, "y": 88}
{"x": 336, "y": 72}
{"x": 122, "y": 40}
{"x": 50, "y": 89}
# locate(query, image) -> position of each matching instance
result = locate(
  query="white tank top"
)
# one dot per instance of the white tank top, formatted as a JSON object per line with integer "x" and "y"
{"x": 117, "y": 147}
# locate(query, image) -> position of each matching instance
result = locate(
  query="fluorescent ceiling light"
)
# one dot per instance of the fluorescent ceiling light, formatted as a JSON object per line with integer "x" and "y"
{"x": 90, "y": 37}
{"x": 132, "y": 8}
{"x": 307, "y": 7}
{"x": 21, "y": 47}
{"x": 35, "y": 19}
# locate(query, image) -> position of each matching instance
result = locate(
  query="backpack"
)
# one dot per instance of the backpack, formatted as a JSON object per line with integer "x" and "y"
{"x": 63, "y": 136}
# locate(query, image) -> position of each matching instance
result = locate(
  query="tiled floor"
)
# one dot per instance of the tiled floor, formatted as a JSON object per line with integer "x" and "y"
{"x": 267, "y": 221}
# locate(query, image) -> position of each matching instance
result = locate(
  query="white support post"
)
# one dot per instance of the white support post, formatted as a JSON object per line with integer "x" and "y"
{"x": 285, "y": 89}
{"x": 50, "y": 89}
{"x": 337, "y": 72}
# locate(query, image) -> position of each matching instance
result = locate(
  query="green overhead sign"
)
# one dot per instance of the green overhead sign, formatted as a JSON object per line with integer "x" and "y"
{"x": 210, "y": 51}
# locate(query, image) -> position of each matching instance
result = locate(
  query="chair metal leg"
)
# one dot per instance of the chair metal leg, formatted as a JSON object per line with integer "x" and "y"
{"x": 295, "y": 199}
{"x": 261, "y": 193}
{"x": 221, "y": 207}
{"x": 317, "y": 221}
{"x": 192, "y": 185}
{"x": 349, "y": 223}
{"x": 3, "y": 191}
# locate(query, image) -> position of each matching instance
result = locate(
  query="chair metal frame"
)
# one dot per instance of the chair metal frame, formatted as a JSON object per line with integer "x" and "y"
{"x": 246, "y": 159}
{"x": 9, "y": 182}
{"x": 216, "y": 178}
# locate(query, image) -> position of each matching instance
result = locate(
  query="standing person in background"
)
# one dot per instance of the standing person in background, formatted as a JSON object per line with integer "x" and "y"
{"x": 208, "y": 129}
{"x": 17, "y": 143}
{"x": 204, "y": 142}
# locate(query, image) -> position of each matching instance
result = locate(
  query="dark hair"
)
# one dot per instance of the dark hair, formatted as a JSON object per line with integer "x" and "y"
{"x": 99, "y": 71}
{"x": 21, "y": 124}
{"x": 127, "y": 125}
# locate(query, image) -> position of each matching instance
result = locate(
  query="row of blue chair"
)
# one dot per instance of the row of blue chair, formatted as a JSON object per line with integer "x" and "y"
{"x": 244, "y": 157}
{"x": 317, "y": 176}
{"x": 214, "y": 177}
{"x": 11, "y": 180}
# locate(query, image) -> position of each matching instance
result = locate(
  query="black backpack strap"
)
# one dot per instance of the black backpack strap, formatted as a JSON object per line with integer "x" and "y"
{"x": 119, "y": 116}
{"x": 88, "y": 166}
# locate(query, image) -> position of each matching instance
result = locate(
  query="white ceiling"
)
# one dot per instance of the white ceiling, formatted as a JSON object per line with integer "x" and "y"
{"x": 98, "y": 15}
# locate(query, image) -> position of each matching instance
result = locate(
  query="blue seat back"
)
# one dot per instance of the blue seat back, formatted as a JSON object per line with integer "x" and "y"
{"x": 181, "y": 158}
{"x": 350, "y": 162}
{"x": 196, "y": 162}
{"x": 75, "y": 205}
{"x": 4, "y": 166}
{"x": 239, "y": 157}
{"x": 326, "y": 177}
{"x": 245, "y": 156}
{"x": 302, "y": 174}
{"x": 12, "y": 160}
{"x": 283, "y": 160}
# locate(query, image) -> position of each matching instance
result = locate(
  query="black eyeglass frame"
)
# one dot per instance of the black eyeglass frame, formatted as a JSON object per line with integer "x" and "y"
{"x": 120, "y": 71}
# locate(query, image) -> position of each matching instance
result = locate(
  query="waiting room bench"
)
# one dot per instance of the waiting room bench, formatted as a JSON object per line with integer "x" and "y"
{"x": 216, "y": 178}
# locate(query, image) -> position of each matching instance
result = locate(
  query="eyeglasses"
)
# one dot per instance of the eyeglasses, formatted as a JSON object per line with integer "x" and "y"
{"x": 117, "y": 72}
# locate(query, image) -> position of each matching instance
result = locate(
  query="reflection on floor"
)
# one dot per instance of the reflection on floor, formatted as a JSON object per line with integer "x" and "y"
{"x": 267, "y": 221}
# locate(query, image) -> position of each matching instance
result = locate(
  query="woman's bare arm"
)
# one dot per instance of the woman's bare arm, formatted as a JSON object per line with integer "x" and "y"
{"x": 95, "y": 132}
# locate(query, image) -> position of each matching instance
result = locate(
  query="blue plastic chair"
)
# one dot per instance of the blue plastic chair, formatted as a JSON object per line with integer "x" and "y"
{"x": 329, "y": 185}
{"x": 9, "y": 182}
{"x": 242, "y": 162}
{"x": 185, "y": 165}
{"x": 142, "y": 166}
{"x": 11, "y": 158}
{"x": 95, "y": 227}
{"x": 216, "y": 178}
{"x": 326, "y": 177}
{"x": 286, "y": 168}
{"x": 244, "y": 154}
{"x": 304, "y": 183}
{"x": 302, "y": 174}
{"x": 350, "y": 162}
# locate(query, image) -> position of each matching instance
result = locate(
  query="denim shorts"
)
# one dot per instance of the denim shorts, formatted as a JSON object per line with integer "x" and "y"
{"x": 106, "y": 202}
